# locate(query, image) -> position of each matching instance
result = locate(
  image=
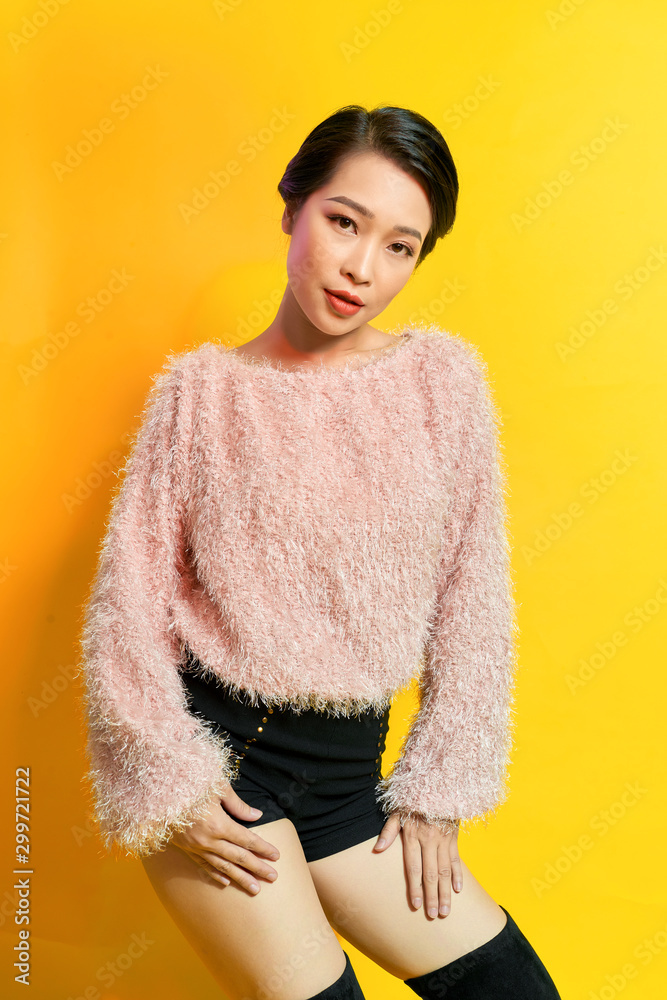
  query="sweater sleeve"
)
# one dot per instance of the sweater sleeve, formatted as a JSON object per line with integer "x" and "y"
{"x": 153, "y": 766}
{"x": 454, "y": 758}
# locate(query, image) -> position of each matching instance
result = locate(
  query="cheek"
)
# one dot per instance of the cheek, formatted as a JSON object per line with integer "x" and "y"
{"x": 389, "y": 277}
{"x": 389, "y": 285}
{"x": 302, "y": 268}
{"x": 308, "y": 255}
{"x": 401, "y": 276}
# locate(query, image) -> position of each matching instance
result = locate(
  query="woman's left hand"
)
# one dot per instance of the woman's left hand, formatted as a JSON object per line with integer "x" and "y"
{"x": 432, "y": 862}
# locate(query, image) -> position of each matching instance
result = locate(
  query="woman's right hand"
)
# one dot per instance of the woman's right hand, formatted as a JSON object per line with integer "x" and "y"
{"x": 223, "y": 849}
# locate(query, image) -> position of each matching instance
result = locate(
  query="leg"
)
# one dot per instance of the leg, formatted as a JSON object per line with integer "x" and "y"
{"x": 505, "y": 967}
{"x": 364, "y": 895}
{"x": 277, "y": 944}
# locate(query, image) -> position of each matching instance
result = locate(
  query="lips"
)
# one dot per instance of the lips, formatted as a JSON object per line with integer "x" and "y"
{"x": 346, "y": 296}
{"x": 340, "y": 302}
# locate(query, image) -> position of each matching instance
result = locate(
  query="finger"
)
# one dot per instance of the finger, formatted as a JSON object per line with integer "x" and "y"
{"x": 228, "y": 830}
{"x": 457, "y": 867}
{"x": 412, "y": 860}
{"x": 243, "y": 859}
{"x": 445, "y": 875}
{"x": 208, "y": 871}
{"x": 431, "y": 865}
{"x": 388, "y": 834}
{"x": 237, "y": 847}
{"x": 235, "y": 873}
{"x": 234, "y": 804}
{"x": 250, "y": 841}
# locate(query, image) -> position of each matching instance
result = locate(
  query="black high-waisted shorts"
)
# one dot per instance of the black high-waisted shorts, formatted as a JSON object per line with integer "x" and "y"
{"x": 319, "y": 771}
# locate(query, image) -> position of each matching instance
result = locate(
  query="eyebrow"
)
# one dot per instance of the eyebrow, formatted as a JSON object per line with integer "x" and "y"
{"x": 408, "y": 230}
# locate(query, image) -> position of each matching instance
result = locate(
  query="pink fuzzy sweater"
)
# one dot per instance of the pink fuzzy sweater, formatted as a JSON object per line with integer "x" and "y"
{"x": 318, "y": 537}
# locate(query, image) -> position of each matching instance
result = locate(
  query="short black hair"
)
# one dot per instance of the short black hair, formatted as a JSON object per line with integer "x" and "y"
{"x": 407, "y": 138}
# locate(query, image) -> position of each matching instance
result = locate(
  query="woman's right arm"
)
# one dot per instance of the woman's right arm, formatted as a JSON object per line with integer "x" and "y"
{"x": 154, "y": 769}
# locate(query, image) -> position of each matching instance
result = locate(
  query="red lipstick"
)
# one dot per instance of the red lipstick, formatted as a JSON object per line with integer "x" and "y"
{"x": 343, "y": 302}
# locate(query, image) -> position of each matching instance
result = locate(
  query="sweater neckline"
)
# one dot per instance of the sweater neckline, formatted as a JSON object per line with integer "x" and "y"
{"x": 403, "y": 341}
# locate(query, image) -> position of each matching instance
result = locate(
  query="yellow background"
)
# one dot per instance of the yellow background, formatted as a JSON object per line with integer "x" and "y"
{"x": 585, "y": 428}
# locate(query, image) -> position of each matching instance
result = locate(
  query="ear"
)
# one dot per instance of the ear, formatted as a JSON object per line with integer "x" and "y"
{"x": 287, "y": 221}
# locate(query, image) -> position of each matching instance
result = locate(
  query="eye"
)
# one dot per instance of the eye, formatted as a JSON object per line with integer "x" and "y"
{"x": 403, "y": 246}
{"x": 341, "y": 218}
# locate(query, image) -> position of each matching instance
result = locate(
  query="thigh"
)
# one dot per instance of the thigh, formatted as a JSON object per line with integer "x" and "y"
{"x": 364, "y": 894}
{"x": 277, "y": 943}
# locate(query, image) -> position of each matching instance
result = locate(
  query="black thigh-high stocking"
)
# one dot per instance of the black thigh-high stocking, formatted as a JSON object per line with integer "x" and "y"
{"x": 345, "y": 988}
{"x": 505, "y": 968}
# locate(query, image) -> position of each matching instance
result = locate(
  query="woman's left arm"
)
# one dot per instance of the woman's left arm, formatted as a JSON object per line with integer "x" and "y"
{"x": 454, "y": 760}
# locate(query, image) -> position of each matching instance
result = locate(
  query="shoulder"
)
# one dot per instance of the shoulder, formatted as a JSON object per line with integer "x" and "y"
{"x": 453, "y": 361}
{"x": 460, "y": 388}
{"x": 178, "y": 364}
{"x": 171, "y": 397}
{"x": 181, "y": 371}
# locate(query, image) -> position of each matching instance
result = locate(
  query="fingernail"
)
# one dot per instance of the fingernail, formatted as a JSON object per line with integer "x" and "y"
{"x": 433, "y": 912}
{"x": 417, "y": 901}
{"x": 256, "y": 812}
{"x": 254, "y": 887}
{"x": 381, "y": 842}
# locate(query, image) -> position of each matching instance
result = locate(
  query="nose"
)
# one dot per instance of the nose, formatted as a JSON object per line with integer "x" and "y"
{"x": 358, "y": 264}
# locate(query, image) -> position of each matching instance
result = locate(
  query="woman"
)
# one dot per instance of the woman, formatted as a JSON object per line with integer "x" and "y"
{"x": 301, "y": 520}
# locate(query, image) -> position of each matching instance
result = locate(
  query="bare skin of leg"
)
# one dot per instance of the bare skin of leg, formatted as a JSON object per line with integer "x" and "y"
{"x": 364, "y": 894}
{"x": 277, "y": 943}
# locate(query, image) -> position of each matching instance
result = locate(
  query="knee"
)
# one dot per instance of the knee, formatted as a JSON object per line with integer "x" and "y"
{"x": 506, "y": 967}
{"x": 345, "y": 988}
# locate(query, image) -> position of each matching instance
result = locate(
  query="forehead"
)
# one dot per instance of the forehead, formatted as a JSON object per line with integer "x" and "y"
{"x": 379, "y": 184}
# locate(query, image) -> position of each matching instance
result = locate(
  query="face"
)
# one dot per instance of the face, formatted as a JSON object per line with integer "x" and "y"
{"x": 360, "y": 234}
